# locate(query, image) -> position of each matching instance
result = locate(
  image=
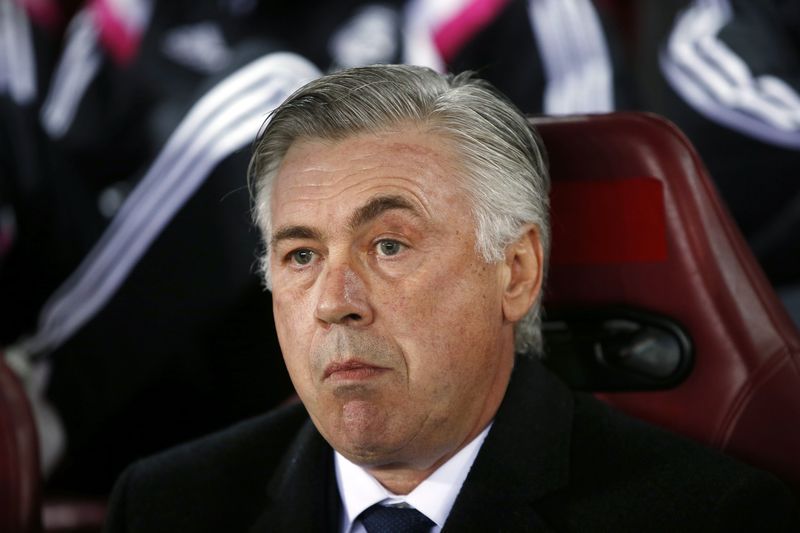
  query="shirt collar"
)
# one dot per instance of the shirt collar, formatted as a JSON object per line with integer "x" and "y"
{"x": 434, "y": 497}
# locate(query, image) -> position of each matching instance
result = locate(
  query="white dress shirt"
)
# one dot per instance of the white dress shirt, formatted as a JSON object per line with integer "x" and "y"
{"x": 434, "y": 497}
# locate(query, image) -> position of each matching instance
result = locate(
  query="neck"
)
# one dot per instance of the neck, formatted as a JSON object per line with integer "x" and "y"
{"x": 401, "y": 481}
{"x": 402, "y": 478}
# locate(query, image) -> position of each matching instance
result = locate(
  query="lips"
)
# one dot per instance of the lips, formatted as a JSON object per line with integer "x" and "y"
{"x": 352, "y": 370}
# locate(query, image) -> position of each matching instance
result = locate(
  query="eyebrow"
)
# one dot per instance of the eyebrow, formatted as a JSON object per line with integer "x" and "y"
{"x": 364, "y": 214}
{"x": 377, "y": 206}
{"x": 294, "y": 232}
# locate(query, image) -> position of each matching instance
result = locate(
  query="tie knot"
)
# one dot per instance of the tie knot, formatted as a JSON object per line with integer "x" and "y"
{"x": 385, "y": 519}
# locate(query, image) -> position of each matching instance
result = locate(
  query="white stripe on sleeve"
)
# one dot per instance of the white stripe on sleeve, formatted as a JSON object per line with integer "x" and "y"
{"x": 720, "y": 85}
{"x": 221, "y": 122}
{"x": 76, "y": 69}
{"x": 575, "y": 56}
{"x": 17, "y": 59}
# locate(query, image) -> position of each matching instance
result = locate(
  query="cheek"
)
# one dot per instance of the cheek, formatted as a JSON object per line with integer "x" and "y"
{"x": 449, "y": 318}
{"x": 293, "y": 323}
{"x": 459, "y": 298}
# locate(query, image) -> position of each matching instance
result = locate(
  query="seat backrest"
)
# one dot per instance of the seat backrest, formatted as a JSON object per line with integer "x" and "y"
{"x": 638, "y": 225}
{"x": 20, "y": 481}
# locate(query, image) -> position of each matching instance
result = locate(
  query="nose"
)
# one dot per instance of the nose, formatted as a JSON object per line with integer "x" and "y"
{"x": 343, "y": 298}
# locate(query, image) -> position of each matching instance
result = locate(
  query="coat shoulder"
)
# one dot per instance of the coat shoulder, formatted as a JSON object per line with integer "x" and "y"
{"x": 212, "y": 484}
{"x": 625, "y": 471}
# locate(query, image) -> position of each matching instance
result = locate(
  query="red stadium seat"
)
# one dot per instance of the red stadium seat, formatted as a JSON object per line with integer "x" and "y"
{"x": 654, "y": 300}
{"x": 20, "y": 481}
{"x": 22, "y": 509}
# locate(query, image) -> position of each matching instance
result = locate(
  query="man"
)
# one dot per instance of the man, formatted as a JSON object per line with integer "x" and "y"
{"x": 405, "y": 217}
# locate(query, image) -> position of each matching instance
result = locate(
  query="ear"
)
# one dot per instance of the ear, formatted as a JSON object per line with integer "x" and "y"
{"x": 522, "y": 274}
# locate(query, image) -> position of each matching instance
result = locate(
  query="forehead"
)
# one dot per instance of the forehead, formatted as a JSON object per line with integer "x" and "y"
{"x": 320, "y": 176}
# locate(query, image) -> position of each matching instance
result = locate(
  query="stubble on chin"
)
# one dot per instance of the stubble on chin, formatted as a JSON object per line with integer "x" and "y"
{"x": 354, "y": 417}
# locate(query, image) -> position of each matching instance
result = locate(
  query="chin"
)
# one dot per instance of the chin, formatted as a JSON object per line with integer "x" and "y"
{"x": 366, "y": 456}
{"x": 368, "y": 449}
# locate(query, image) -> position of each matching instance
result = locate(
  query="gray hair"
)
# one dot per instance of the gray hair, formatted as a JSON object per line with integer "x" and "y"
{"x": 505, "y": 177}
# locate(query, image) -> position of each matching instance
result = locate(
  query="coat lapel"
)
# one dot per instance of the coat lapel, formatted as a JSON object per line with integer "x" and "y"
{"x": 302, "y": 495}
{"x": 513, "y": 484}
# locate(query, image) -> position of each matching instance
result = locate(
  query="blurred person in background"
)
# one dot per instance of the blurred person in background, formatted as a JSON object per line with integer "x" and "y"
{"x": 728, "y": 73}
{"x": 129, "y": 332}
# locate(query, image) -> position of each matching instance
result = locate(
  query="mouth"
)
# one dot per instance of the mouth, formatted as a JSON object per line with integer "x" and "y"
{"x": 352, "y": 370}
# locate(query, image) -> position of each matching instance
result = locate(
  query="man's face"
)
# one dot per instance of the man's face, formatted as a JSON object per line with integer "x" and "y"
{"x": 391, "y": 324}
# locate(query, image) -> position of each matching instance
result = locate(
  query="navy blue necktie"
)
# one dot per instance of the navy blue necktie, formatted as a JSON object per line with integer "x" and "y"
{"x": 384, "y": 519}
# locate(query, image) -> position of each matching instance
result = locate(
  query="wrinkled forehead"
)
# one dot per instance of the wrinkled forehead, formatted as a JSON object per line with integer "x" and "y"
{"x": 315, "y": 173}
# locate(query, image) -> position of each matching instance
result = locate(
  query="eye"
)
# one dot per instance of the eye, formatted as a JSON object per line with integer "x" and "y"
{"x": 303, "y": 256}
{"x": 389, "y": 247}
